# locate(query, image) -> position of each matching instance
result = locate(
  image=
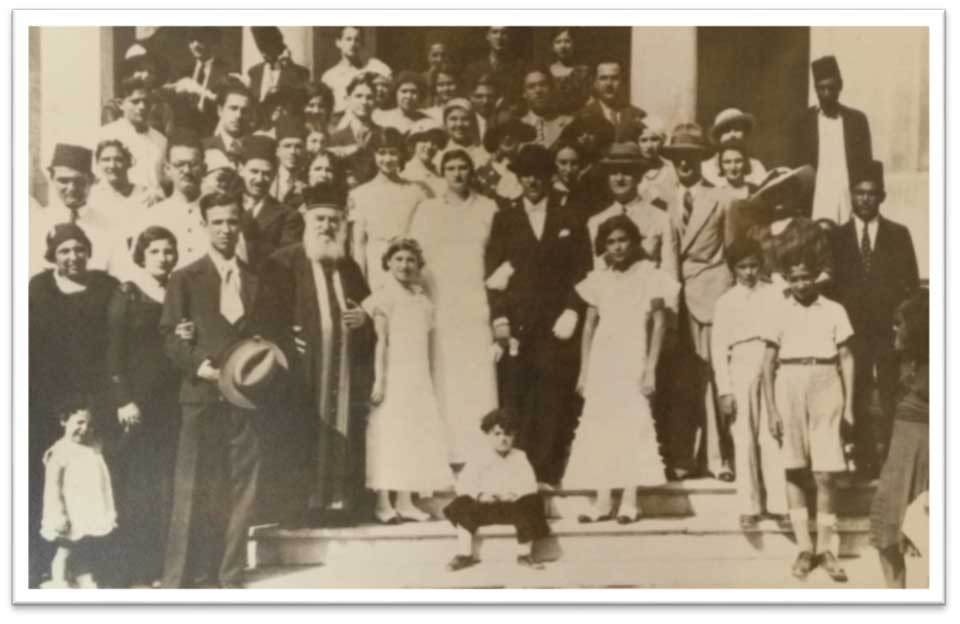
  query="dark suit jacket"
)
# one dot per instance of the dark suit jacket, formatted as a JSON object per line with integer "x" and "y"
{"x": 291, "y": 75}
{"x": 216, "y": 142}
{"x": 856, "y": 138}
{"x": 186, "y": 106}
{"x": 629, "y": 123}
{"x": 870, "y": 300}
{"x": 275, "y": 226}
{"x": 288, "y": 297}
{"x": 361, "y": 161}
{"x": 193, "y": 293}
{"x": 545, "y": 270}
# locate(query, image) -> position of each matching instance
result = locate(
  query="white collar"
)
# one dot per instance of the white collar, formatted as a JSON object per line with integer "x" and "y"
{"x": 149, "y": 285}
{"x": 66, "y": 286}
{"x": 222, "y": 264}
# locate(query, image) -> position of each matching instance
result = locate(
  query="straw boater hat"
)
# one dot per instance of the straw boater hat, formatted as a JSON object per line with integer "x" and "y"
{"x": 687, "y": 138}
{"x": 623, "y": 155}
{"x": 729, "y": 117}
{"x": 250, "y": 371}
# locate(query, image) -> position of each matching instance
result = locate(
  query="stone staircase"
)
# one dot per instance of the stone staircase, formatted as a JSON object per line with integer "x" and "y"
{"x": 686, "y": 526}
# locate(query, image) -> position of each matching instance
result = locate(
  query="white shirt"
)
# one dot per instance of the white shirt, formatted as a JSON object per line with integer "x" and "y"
{"x": 548, "y": 130}
{"x": 871, "y": 226}
{"x": 148, "y": 149}
{"x": 184, "y": 220}
{"x": 491, "y": 473}
{"x": 537, "y": 214}
{"x": 223, "y": 264}
{"x": 339, "y": 76}
{"x": 831, "y": 195}
{"x": 802, "y": 331}
{"x": 739, "y": 317}
{"x": 395, "y": 118}
{"x": 654, "y": 225}
{"x": 271, "y": 75}
{"x": 508, "y": 186}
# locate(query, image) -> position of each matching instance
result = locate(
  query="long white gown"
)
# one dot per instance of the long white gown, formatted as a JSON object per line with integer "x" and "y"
{"x": 616, "y": 444}
{"x": 405, "y": 437}
{"x": 454, "y": 238}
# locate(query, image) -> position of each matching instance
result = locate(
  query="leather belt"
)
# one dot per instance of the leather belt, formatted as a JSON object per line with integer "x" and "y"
{"x": 810, "y": 361}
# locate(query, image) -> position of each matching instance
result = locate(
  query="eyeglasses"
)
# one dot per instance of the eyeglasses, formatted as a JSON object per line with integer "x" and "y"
{"x": 184, "y": 165}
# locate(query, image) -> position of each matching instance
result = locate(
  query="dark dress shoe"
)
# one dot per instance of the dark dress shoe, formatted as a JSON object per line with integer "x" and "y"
{"x": 828, "y": 561}
{"x": 527, "y": 561}
{"x": 584, "y": 519}
{"x": 726, "y": 475}
{"x": 749, "y": 522}
{"x": 459, "y": 562}
{"x": 803, "y": 565}
{"x": 627, "y": 519}
{"x": 782, "y": 520}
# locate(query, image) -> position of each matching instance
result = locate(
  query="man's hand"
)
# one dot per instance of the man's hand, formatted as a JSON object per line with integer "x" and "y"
{"x": 582, "y": 382}
{"x": 186, "y": 330}
{"x": 128, "y": 415}
{"x": 298, "y": 340}
{"x": 354, "y": 317}
{"x": 728, "y": 408}
{"x": 207, "y": 372}
{"x": 776, "y": 426}
{"x": 648, "y": 382}
{"x": 848, "y": 415}
{"x": 565, "y": 325}
{"x": 377, "y": 394}
{"x": 501, "y": 332}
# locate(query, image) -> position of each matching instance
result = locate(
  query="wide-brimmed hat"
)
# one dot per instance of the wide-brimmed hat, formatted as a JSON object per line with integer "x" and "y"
{"x": 522, "y": 132}
{"x": 784, "y": 184}
{"x": 533, "y": 159}
{"x": 729, "y": 117}
{"x": 686, "y": 138}
{"x": 428, "y": 129}
{"x": 621, "y": 156}
{"x": 250, "y": 372}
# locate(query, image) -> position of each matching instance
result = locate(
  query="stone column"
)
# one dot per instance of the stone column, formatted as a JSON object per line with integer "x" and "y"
{"x": 663, "y": 72}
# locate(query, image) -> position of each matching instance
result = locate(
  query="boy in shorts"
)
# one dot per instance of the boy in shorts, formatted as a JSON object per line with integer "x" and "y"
{"x": 497, "y": 487}
{"x": 808, "y": 383}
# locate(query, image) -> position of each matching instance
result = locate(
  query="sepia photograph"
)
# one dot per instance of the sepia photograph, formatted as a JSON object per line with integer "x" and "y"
{"x": 434, "y": 304}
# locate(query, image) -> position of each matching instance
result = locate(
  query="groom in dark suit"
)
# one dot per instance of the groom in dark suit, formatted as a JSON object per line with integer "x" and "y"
{"x": 875, "y": 270}
{"x": 537, "y": 253}
{"x": 218, "y": 456}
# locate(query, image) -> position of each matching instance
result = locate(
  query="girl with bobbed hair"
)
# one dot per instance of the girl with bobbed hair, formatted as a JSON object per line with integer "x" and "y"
{"x": 571, "y": 79}
{"x": 406, "y": 452}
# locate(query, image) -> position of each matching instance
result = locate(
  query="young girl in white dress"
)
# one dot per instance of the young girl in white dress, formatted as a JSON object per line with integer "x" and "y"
{"x": 406, "y": 449}
{"x": 77, "y": 501}
{"x": 616, "y": 443}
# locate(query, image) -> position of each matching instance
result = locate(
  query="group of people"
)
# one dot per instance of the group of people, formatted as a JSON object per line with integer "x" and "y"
{"x": 266, "y": 299}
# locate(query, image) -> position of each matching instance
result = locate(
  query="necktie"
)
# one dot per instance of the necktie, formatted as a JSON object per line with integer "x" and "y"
{"x": 74, "y": 215}
{"x": 231, "y": 302}
{"x": 687, "y": 206}
{"x": 201, "y": 78}
{"x": 541, "y": 131}
{"x": 865, "y": 250}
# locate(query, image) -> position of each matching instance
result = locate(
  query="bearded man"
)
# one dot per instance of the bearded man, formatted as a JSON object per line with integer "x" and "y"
{"x": 310, "y": 306}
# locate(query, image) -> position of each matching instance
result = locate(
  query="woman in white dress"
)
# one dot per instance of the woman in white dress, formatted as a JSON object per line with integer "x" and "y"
{"x": 616, "y": 443}
{"x": 424, "y": 139}
{"x": 381, "y": 209}
{"x": 406, "y": 452}
{"x": 453, "y": 230}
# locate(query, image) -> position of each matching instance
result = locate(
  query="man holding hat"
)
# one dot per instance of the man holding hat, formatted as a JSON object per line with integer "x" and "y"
{"x": 70, "y": 178}
{"x": 538, "y": 251}
{"x": 277, "y": 68}
{"x": 875, "y": 269}
{"x": 288, "y": 185}
{"x": 218, "y": 457}
{"x": 835, "y": 139}
{"x": 309, "y": 304}
{"x": 623, "y": 166}
{"x": 267, "y": 224}
{"x": 698, "y": 212}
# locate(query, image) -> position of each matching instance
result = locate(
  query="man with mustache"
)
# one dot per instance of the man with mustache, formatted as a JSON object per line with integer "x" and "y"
{"x": 540, "y": 98}
{"x": 309, "y": 305}
{"x": 609, "y": 102}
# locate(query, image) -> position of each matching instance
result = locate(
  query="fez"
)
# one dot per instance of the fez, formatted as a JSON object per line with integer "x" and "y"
{"x": 289, "y": 128}
{"x": 825, "y": 67}
{"x": 872, "y": 171}
{"x": 260, "y": 146}
{"x": 73, "y": 156}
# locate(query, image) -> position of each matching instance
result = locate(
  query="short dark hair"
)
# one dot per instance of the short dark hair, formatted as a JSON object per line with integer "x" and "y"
{"x": 800, "y": 256}
{"x": 537, "y": 68}
{"x": 501, "y": 417}
{"x": 559, "y": 30}
{"x": 315, "y": 89}
{"x": 486, "y": 79}
{"x": 737, "y": 147}
{"x": 450, "y": 70}
{"x": 563, "y": 144}
{"x": 151, "y": 234}
{"x": 73, "y": 403}
{"x": 183, "y": 137}
{"x": 913, "y": 315}
{"x": 134, "y": 83}
{"x": 117, "y": 143}
{"x": 232, "y": 87}
{"x": 402, "y": 244}
{"x": 212, "y": 200}
{"x": 356, "y": 28}
{"x": 741, "y": 248}
{"x": 363, "y": 78}
{"x": 614, "y": 223}
{"x": 456, "y": 154}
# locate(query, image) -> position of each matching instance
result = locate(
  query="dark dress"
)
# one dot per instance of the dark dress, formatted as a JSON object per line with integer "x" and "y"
{"x": 573, "y": 90}
{"x": 140, "y": 373}
{"x": 68, "y": 342}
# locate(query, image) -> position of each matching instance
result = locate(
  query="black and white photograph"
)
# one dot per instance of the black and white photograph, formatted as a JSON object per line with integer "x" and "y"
{"x": 434, "y": 304}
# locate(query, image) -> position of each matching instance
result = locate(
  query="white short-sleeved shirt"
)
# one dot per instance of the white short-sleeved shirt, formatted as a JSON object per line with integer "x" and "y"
{"x": 815, "y": 330}
{"x": 492, "y": 473}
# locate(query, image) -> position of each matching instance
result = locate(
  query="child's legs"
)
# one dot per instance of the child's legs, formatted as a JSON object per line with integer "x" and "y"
{"x": 528, "y": 516}
{"x": 60, "y": 565}
{"x": 746, "y": 433}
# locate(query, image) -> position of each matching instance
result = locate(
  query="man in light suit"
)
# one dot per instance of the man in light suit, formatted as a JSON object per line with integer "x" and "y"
{"x": 698, "y": 213}
{"x": 608, "y": 101}
{"x": 218, "y": 455}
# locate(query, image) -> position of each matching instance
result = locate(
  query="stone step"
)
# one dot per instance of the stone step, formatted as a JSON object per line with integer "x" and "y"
{"x": 711, "y": 537}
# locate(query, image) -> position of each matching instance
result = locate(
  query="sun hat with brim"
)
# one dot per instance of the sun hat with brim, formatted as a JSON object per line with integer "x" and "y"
{"x": 522, "y": 132}
{"x": 622, "y": 156}
{"x": 687, "y": 138}
{"x": 427, "y": 129}
{"x": 729, "y": 117}
{"x": 782, "y": 186}
{"x": 250, "y": 372}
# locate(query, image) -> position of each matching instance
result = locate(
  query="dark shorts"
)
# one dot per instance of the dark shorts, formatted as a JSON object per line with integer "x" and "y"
{"x": 527, "y": 514}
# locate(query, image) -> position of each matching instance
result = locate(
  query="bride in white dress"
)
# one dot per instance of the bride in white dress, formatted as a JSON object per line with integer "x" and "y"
{"x": 453, "y": 230}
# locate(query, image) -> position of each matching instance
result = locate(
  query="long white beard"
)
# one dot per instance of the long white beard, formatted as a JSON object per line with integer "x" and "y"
{"x": 321, "y": 248}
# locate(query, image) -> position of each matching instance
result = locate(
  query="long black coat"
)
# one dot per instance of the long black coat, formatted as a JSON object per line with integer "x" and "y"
{"x": 274, "y": 227}
{"x": 856, "y": 138}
